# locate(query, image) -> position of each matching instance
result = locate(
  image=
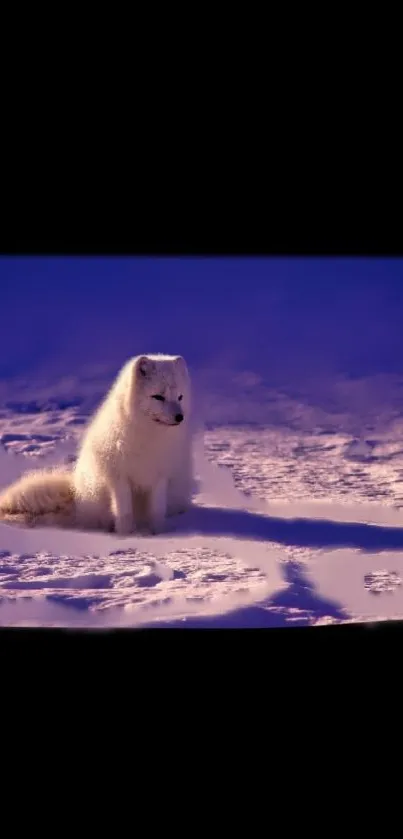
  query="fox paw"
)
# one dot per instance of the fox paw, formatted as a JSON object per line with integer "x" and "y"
{"x": 124, "y": 525}
{"x": 177, "y": 509}
{"x": 156, "y": 526}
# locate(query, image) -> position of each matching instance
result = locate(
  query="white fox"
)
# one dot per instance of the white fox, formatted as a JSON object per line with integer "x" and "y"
{"x": 134, "y": 465}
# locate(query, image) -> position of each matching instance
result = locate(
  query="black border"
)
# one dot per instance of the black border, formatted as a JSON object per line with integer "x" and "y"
{"x": 270, "y": 212}
{"x": 316, "y": 670}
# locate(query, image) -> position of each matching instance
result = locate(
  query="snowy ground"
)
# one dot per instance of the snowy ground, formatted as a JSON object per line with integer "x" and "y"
{"x": 303, "y": 526}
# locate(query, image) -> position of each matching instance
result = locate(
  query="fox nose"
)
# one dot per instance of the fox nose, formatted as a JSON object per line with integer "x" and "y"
{"x": 178, "y": 417}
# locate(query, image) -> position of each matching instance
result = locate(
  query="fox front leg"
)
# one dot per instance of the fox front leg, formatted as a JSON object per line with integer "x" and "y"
{"x": 157, "y": 507}
{"x": 122, "y": 508}
{"x": 180, "y": 484}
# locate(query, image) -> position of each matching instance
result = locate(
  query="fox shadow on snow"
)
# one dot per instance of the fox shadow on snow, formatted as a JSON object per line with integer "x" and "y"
{"x": 303, "y": 533}
{"x": 299, "y": 594}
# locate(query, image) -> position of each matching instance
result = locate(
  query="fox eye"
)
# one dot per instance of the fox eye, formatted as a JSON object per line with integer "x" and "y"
{"x": 159, "y": 397}
{"x": 180, "y": 397}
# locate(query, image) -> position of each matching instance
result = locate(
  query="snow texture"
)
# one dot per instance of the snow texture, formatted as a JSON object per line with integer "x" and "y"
{"x": 238, "y": 558}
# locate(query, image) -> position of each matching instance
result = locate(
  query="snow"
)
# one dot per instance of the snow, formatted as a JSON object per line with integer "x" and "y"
{"x": 237, "y": 558}
{"x": 133, "y": 580}
{"x": 298, "y": 508}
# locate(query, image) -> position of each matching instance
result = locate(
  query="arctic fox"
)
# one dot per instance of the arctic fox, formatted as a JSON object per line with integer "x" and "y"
{"x": 134, "y": 465}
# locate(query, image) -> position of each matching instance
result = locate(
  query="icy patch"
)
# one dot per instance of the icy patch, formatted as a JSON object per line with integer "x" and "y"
{"x": 378, "y": 582}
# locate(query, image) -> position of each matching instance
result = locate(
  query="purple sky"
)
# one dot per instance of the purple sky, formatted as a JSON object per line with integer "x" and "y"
{"x": 266, "y": 314}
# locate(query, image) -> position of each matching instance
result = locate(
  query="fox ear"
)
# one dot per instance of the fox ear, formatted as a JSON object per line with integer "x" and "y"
{"x": 144, "y": 366}
{"x": 180, "y": 361}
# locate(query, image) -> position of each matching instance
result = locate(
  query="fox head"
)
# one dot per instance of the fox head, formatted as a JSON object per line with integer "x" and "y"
{"x": 160, "y": 389}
